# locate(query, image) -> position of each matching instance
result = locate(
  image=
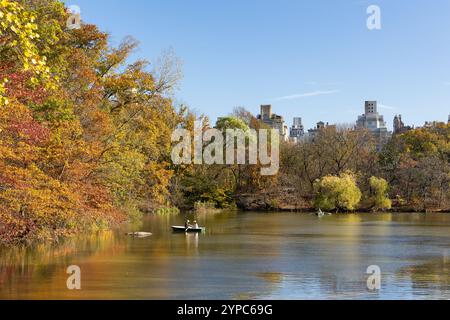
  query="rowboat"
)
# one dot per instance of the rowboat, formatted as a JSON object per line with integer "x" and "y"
{"x": 190, "y": 229}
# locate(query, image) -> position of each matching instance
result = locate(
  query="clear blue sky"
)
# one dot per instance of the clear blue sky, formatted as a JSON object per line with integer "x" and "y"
{"x": 315, "y": 59}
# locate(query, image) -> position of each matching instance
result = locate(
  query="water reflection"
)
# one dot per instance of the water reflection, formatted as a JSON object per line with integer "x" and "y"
{"x": 432, "y": 275}
{"x": 243, "y": 256}
{"x": 192, "y": 241}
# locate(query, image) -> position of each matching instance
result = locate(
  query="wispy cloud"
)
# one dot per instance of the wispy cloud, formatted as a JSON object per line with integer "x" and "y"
{"x": 307, "y": 94}
{"x": 316, "y": 83}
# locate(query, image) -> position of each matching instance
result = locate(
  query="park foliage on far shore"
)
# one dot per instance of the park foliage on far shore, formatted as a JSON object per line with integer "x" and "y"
{"x": 85, "y": 141}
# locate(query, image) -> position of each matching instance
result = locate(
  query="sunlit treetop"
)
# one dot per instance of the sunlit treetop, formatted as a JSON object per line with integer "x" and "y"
{"x": 231, "y": 123}
{"x": 18, "y": 43}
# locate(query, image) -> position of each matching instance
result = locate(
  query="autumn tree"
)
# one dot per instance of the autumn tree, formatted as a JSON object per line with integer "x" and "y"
{"x": 84, "y": 132}
{"x": 337, "y": 192}
{"x": 379, "y": 194}
{"x": 416, "y": 166}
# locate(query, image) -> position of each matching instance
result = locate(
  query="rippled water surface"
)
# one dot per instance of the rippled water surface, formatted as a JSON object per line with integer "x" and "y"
{"x": 243, "y": 256}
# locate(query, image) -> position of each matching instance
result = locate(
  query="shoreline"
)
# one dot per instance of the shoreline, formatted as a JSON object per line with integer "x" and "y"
{"x": 360, "y": 210}
{"x": 310, "y": 209}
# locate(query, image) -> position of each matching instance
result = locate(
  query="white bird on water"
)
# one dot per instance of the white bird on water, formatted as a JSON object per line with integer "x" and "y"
{"x": 140, "y": 234}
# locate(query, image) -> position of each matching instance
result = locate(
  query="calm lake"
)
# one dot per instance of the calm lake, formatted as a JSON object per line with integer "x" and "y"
{"x": 243, "y": 256}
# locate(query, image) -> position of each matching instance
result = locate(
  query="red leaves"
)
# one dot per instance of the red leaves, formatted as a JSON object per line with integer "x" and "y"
{"x": 31, "y": 131}
{"x": 19, "y": 87}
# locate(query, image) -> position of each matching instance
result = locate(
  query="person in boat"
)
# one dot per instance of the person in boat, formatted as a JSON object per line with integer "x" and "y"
{"x": 187, "y": 224}
{"x": 195, "y": 226}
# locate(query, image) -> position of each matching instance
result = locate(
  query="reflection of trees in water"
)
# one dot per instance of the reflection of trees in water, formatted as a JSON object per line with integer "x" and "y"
{"x": 213, "y": 221}
{"x": 271, "y": 277}
{"x": 426, "y": 218}
{"x": 241, "y": 255}
{"x": 192, "y": 242}
{"x": 20, "y": 266}
{"x": 434, "y": 274}
{"x": 308, "y": 286}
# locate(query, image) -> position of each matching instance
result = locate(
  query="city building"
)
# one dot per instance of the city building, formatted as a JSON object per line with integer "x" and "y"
{"x": 274, "y": 121}
{"x": 399, "y": 126}
{"x": 374, "y": 123}
{"x": 432, "y": 124}
{"x": 312, "y": 133}
{"x": 297, "y": 130}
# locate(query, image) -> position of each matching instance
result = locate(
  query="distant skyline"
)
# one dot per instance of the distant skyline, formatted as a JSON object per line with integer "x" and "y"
{"x": 311, "y": 59}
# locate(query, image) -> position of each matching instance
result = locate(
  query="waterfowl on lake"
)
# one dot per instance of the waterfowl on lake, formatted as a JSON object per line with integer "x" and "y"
{"x": 140, "y": 234}
{"x": 320, "y": 213}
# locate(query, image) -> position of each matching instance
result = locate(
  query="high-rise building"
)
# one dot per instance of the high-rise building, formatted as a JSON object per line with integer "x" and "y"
{"x": 297, "y": 123}
{"x": 273, "y": 120}
{"x": 266, "y": 112}
{"x": 399, "y": 126}
{"x": 374, "y": 122}
{"x": 297, "y": 130}
{"x": 371, "y": 119}
{"x": 320, "y": 127}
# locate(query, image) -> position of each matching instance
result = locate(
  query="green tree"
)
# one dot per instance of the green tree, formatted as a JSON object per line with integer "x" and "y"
{"x": 337, "y": 192}
{"x": 379, "y": 194}
{"x": 231, "y": 123}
